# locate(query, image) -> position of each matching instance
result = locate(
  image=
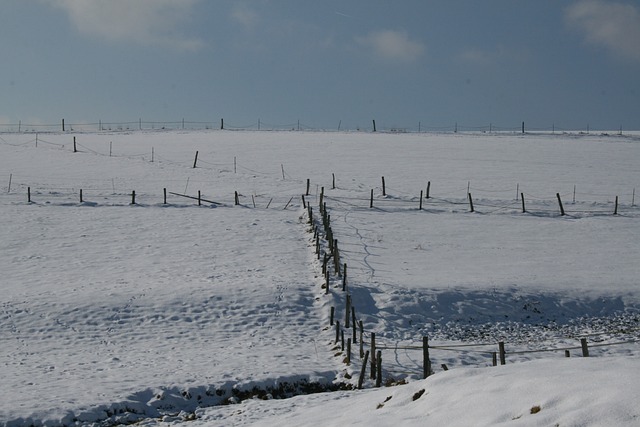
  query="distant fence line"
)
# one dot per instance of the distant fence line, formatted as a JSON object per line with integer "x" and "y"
{"x": 182, "y": 124}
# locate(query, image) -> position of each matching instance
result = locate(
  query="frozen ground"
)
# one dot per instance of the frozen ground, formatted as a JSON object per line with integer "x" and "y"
{"x": 113, "y": 312}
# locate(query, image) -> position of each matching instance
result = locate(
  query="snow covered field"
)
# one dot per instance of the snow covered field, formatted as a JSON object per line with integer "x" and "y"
{"x": 119, "y": 312}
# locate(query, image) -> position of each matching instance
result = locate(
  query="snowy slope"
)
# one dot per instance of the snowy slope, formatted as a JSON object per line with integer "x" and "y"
{"x": 152, "y": 309}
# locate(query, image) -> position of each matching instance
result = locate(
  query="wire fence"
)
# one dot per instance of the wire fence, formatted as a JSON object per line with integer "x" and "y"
{"x": 297, "y": 125}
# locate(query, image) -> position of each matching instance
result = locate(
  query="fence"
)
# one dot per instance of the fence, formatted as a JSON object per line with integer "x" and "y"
{"x": 335, "y": 279}
{"x": 182, "y": 124}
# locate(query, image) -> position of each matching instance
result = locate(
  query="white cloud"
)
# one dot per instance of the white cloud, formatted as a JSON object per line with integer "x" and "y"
{"x": 392, "y": 45}
{"x": 146, "y": 22}
{"x": 244, "y": 15}
{"x": 613, "y": 25}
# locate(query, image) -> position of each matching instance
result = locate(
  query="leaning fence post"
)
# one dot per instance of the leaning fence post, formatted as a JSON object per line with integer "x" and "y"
{"x": 470, "y": 202}
{"x": 585, "y": 347}
{"x": 195, "y": 161}
{"x": 384, "y": 187}
{"x": 363, "y": 370}
{"x": 560, "y": 203}
{"x": 502, "y": 352}
{"x": 522, "y": 197}
{"x": 426, "y": 365}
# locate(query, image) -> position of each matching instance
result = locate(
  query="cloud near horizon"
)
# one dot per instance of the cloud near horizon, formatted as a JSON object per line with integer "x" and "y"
{"x": 392, "y": 45}
{"x": 145, "y": 22}
{"x": 612, "y": 25}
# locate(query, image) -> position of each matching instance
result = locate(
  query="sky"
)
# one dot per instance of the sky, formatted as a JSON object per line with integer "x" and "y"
{"x": 407, "y": 64}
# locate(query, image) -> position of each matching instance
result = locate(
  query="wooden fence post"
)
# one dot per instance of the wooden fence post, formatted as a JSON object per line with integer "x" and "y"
{"x": 333, "y": 181}
{"x": 308, "y": 184}
{"x": 567, "y": 353}
{"x": 199, "y": 199}
{"x": 29, "y": 194}
{"x": 344, "y": 277}
{"x": 363, "y": 370}
{"x": 470, "y": 202}
{"x": 522, "y": 197}
{"x": 378, "y": 368}
{"x": 615, "y": 211}
{"x": 195, "y": 161}
{"x": 426, "y": 361}
{"x": 494, "y": 358}
{"x": 237, "y": 199}
{"x": 428, "y": 188}
{"x": 349, "y": 351}
{"x": 81, "y": 196}
{"x": 373, "y": 358}
{"x": 502, "y": 353}
{"x": 361, "y": 341}
{"x": 165, "y": 196}
{"x": 333, "y": 310}
{"x": 353, "y": 323}
{"x": 371, "y": 206}
{"x": 585, "y": 347}
{"x": 384, "y": 187}
{"x": 342, "y": 340}
{"x": 420, "y": 199}
{"x": 347, "y": 313}
{"x": 133, "y": 197}
{"x": 75, "y": 150}
{"x": 560, "y": 203}
{"x": 337, "y": 331}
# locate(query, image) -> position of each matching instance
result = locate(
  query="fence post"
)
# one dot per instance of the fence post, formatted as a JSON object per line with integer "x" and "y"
{"x": 361, "y": 341}
{"x": 585, "y": 347}
{"x": 308, "y": 184}
{"x": 363, "y": 370}
{"x": 428, "y": 188}
{"x": 384, "y": 187}
{"x": 81, "y": 195}
{"x": 75, "y": 150}
{"x": 133, "y": 197}
{"x": 426, "y": 364}
{"x": 371, "y": 206}
{"x": 502, "y": 352}
{"x": 195, "y": 161}
{"x": 165, "y": 196}
{"x": 522, "y": 197}
{"x": 337, "y": 331}
{"x": 333, "y": 310}
{"x": 494, "y": 358}
{"x": 560, "y": 203}
{"x": 567, "y": 353}
{"x": 237, "y": 199}
{"x": 347, "y": 314}
{"x": 333, "y": 180}
{"x": 379, "y": 368}
{"x": 349, "y": 351}
{"x": 373, "y": 358}
{"x": 470, "y": 202}
{"x": 420, "y": 199}
{"x": 353, "y": 323}
{"x": 615, "y": 211}
{"x": 344, "y": 277}
{"x": 29, "y": 194}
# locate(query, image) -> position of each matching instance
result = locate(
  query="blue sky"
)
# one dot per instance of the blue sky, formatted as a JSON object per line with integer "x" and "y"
{"x": 568, "y": 64}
